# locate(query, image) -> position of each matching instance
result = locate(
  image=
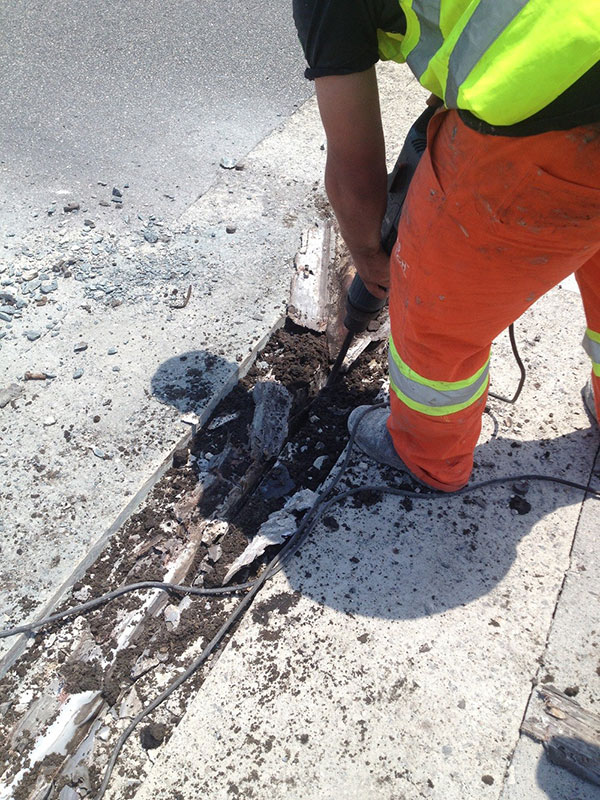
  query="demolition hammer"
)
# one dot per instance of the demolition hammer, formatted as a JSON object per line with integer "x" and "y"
{"x": 361, "y": 305}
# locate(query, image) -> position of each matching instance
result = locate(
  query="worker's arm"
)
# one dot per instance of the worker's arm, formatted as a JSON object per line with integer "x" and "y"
{"x": 355, "y": 175}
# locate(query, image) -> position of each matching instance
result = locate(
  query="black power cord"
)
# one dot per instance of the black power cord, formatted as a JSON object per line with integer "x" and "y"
{"x": 513, "y": 344}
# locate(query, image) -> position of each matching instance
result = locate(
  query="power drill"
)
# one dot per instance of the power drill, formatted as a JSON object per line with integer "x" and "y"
{"x": 361, "y": 305}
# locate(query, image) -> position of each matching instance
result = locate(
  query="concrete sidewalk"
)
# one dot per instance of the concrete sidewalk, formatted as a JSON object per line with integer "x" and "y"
{"x": 396, "y": 656}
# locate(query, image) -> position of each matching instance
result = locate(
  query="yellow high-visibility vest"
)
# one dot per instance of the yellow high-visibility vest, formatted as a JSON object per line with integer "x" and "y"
{"x": 502, "y": 60}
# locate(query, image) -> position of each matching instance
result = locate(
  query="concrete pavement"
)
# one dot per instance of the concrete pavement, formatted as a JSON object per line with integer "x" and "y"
{"x": 396, "y": 657}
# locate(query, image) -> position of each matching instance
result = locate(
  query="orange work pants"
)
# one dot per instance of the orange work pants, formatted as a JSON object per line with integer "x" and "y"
{"x": 489, "y": 225}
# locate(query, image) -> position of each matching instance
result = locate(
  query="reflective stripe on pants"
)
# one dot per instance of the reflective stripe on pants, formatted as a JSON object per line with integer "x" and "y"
{"x": 435, "y": 398}
{"x": 591, "y": 345}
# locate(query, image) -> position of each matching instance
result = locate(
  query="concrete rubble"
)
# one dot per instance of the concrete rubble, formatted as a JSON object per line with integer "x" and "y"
{"x": 396, "y": 656}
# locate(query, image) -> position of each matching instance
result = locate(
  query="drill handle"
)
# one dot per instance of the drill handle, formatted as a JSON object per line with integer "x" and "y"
{"x": 361, "y": 306}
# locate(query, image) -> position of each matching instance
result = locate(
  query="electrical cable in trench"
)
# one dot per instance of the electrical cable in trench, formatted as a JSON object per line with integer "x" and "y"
{"x": 319, "y": 507}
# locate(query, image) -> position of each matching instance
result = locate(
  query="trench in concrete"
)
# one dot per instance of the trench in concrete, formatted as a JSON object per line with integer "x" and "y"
{"x": 71, "y": 692}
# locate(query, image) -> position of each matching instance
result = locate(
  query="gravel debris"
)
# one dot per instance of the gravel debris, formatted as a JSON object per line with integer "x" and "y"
{"x": 10, "y": 393}
{"x": 150, "y": 235}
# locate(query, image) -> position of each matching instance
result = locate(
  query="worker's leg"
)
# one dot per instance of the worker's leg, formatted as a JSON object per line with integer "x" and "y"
{"x": 490, "y": 224}
{"x": 588, "y": 278}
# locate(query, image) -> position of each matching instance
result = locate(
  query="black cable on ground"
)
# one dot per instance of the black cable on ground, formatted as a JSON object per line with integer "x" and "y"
{"x": 513, "y": 344}
{"x": 75, "y": 611}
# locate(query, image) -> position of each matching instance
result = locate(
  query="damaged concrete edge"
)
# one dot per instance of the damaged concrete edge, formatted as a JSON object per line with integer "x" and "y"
{"x": 140, "y": 496}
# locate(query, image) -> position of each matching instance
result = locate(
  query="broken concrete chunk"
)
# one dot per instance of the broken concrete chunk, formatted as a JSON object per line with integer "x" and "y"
{"x": 172, "y": 614}
{"x": 12, "y": 392}
{"x": 131, "y": 705}
{"x": 279, "y": 526}
{"x": 218, "y": 421}
{"x": 269, "y": 428}
{"x": 215, "y": 552}
{"x": 275, "y": 530}
{"x": 67, "y": 793}
{"x": 80, "y": 347}
{"x": 277, "y": 483}
{"x": 97, "y": 451}
{"x": 214, "y": 530}
{"x": 301, "y": 501}
{"x": 152, "y": 736}
{"x": 80, "y": 776}
{"x": 309, "y": 297}
{"x": 82, "y": 595}
{"x": 150, "y": 236}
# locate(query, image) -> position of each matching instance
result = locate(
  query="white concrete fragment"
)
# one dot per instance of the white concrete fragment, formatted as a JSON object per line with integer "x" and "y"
{"x": 279, "y": 526}
{"x": 220, "y": 421}
{"x": 301, "y": 501}
{"x": 131, "y": 705}
{"x": 275, "y": 530}
{"x": 172, "y": 614}
{"x": 11, "y": 392}
{"x": 309, "y": 296}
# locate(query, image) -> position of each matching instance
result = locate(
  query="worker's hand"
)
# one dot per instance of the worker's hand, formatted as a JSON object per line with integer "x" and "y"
{"x": 374, "y": 269}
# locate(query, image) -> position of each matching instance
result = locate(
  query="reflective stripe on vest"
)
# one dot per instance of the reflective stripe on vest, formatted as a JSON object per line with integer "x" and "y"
{"x": 430, "y": 38}
{"x": 591, "y": 345}
{"x": 487, "y": 22}
{"x": 435, "y": 398}
{"x": 502, "y": 60}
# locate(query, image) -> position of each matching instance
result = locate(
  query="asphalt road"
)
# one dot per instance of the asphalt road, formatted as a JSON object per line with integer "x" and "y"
{"x": 152, "y": 93}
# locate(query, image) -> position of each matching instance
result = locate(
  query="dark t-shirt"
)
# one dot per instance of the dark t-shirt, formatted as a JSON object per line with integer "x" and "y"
{"x": 340, "y": 37}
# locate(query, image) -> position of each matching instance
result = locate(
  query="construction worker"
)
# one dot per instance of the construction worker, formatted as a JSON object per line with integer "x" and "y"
{"x": 505, "y": 202}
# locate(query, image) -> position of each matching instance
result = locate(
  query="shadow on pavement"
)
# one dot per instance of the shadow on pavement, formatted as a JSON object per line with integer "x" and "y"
{"x": 561, "y": 784}
{"x": 405, "y": 559}
{"x": 187, "y": 381}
